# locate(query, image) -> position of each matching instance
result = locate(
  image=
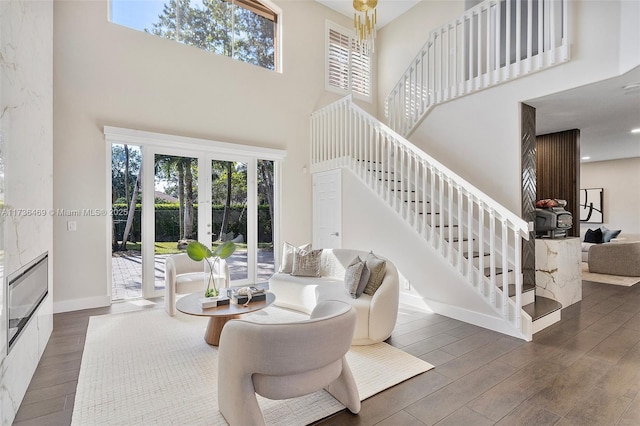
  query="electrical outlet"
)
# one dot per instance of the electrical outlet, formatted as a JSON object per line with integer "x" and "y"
{"x": 407, "y": 285}
{"x": 71, "y": 225}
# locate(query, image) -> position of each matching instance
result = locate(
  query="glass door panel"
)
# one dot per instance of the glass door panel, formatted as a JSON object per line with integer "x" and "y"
{"x": 266, "y": 193}
{"x": 126, "y": 205}
{"x": 229, "y": 213}
{"x": 175, "y": 208}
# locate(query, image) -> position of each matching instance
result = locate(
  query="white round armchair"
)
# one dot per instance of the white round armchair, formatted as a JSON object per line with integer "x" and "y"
{"x": 280, "y": 361}
{"x": 185, "y": 275}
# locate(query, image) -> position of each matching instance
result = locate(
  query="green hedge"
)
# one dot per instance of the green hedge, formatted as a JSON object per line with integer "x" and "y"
{"x": 168, "y": 228}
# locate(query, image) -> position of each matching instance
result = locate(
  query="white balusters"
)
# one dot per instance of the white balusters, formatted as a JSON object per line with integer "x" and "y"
{"x": 451, "y": 64}
{"x": 505, "y": 269}
{"x": 492, "y": 257}
{"x": 517, "y": 249}
{"x": 413, "y": 183}
{"x": 481, "y": 248}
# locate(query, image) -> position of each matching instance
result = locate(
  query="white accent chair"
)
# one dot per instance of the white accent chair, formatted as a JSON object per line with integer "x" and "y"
{"x": 288, "y": 360}
{"x": 185, "y": 275}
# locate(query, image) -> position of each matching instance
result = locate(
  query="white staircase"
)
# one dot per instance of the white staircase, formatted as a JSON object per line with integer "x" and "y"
{"x": 473, "y": 233}
{"x": 491, "y": 43}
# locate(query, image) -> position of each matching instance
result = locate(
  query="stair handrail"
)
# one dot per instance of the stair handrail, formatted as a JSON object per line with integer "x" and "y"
{"x": 450, "y": 65}
{"x": 426, "y": 194}
{"x": 518, "y": 223}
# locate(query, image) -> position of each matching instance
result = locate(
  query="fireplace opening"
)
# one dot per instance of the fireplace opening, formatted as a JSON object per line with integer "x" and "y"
{"x": 26, "y": 288}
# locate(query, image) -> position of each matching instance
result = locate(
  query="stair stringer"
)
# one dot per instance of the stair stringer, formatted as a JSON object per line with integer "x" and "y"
{"x": 370, "y": 223}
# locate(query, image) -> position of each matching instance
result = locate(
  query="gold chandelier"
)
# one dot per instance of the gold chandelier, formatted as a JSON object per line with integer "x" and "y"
{"x": 365, "y": 23}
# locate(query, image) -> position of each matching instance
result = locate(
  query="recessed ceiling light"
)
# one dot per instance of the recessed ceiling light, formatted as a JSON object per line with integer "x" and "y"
{"x": 636, "y": 130}
{"x": 586, "y": 158}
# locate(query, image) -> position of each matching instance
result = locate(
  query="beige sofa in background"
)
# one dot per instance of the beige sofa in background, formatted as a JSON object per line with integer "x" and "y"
{"x": 615, "y": 259}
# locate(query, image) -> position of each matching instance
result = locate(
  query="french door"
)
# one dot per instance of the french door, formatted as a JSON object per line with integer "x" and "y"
{"x": 195, "y": 191}
{"x": 196, "y": 220}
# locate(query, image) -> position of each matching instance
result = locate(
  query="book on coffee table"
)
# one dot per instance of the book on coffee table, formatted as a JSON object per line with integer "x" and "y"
{"x": 212, "y": 302}
{"x": 257, "y": 295}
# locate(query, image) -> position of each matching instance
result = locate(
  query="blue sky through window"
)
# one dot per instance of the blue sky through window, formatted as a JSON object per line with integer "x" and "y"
{"x": 136, "y": 14}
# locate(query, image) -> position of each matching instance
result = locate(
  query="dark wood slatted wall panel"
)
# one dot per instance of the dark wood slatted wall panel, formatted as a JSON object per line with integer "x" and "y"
{"x": 558, "y": 170}
{"x": 528, "y": 138}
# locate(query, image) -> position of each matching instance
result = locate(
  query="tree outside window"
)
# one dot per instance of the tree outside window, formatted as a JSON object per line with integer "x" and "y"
{"x": 242, "y": 29}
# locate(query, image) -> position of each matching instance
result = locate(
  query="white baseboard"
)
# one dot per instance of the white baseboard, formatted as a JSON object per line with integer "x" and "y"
{"x": 475, "y": 318}
{"x": 414, "y": 301}
{"x": 79, "y": 304}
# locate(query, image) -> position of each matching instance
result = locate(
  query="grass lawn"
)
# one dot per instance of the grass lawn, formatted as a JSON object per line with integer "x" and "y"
{"x": 171, "y": 247}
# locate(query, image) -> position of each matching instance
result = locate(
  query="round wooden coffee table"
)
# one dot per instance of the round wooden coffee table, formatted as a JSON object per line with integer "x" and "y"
{"x": 219, "y": 315}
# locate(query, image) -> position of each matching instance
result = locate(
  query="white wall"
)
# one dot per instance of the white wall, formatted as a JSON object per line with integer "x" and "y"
{"x": 26, "y": 29}
{"x": 106, "y": 74}
{"x": 620, "y": 180}
{"x": 629, "y": 35}
{"x": 478, "y": 136}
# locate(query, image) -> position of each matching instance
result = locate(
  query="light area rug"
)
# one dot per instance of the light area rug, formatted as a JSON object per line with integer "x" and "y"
{"x": 146, "y": 367}
{"x": 607, "y": 279}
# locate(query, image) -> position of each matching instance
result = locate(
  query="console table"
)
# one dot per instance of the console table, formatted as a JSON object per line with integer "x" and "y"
{"x": 558, "y": 271}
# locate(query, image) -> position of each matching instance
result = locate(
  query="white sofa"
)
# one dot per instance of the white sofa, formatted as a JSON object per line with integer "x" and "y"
{"x": 185, "y": 275}
{"x": 376, "y": 315}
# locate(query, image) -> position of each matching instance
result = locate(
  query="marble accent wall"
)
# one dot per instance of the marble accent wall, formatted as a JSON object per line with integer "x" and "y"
{"x": 26, "y": 171}
{"x": 558, "y": 272}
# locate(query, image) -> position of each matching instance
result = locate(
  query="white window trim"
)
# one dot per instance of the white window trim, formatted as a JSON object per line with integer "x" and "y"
{"x": 332, "y": 25}
{"x": 278, "y": 53}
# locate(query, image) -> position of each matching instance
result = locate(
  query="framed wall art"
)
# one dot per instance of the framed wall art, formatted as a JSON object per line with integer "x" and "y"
{"x": 591, "y": 205}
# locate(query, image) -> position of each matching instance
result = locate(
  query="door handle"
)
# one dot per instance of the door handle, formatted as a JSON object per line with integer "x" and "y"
{"x": 335, "y": 234}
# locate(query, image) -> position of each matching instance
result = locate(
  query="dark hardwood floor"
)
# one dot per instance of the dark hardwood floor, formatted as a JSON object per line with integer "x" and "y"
{"x": 585, "y": 370}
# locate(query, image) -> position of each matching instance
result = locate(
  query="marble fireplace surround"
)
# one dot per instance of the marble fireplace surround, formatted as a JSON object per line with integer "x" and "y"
{"x": 26, "y": 164}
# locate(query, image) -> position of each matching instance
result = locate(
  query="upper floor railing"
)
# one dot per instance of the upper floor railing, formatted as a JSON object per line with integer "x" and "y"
{"x": 493, "y": 42}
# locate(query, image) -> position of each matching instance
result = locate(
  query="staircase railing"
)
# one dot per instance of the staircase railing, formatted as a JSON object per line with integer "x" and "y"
{"x": 453, "y": 216}
{"x": 491, "y": 43}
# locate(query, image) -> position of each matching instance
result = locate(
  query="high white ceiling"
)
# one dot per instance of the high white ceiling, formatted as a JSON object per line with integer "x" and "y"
{"x": 605, "y": 112}
{"x": 387, "y": 10}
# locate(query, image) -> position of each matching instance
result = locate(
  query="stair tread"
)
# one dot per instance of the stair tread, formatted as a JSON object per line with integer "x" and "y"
{"x": 455, "y": 239}
{"x": 487, "y": 271}
{"x": 541, "y": 307}
{"x": 525, "y": 288}
{"x": 475, "y": 254}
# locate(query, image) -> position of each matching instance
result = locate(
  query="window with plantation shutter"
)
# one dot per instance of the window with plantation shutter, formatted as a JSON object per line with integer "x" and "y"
{"x": 348, "y": 67}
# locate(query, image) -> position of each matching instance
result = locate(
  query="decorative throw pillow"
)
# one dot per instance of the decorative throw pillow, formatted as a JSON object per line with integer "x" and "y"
{"x": 306, "y": 263}
{"x": 352, "y": 276}
{"x": 377, "y": 269}
{"x": 609, "y": 234}
{"x": 286, "y": 264}
{"x": 364, "y": 279}
{"x": 593, "y": 236}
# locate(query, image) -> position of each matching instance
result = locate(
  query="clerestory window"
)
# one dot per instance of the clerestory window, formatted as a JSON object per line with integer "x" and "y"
{"x": 348, "y": 66}
{"x": 246, "y": 30}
